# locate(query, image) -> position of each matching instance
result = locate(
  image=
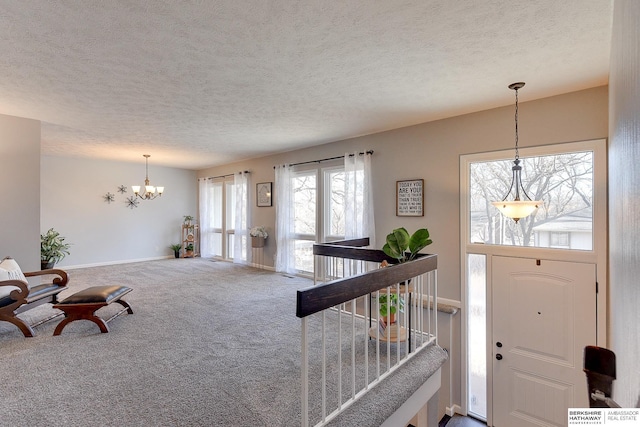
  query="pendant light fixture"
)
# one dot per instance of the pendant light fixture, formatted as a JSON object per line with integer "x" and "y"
{"x": 149, "y": 192}
{"x": 517, "y": 208}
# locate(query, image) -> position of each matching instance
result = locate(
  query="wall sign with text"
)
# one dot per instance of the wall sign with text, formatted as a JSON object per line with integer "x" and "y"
{"x": 410, "y": 197}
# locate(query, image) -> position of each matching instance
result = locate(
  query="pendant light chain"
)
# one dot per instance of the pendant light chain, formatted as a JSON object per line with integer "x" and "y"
{"x": 516, "y": 116}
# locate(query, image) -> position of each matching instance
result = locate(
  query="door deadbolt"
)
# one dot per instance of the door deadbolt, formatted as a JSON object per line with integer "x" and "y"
{"x": 498, "y": 344}
{"x": 498, "y": 356}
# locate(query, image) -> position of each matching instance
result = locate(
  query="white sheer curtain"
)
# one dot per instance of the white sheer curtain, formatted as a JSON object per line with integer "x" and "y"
{"x": 285, "y": 261}
{"x": 206, "y": 202}
{"x": 359, "y": 217}
{"x": 241, "y": 220}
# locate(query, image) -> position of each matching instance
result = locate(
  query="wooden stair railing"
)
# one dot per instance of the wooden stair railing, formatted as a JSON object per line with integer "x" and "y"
{"x": 320, "y": 297}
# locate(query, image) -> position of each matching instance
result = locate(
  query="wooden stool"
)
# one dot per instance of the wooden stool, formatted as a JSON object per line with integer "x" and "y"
{"x": 83, "y": 305}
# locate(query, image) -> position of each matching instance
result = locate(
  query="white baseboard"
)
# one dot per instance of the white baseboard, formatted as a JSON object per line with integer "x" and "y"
{"x": 455, "y": 409}
{"x": 126, "y": 261}
{"x": 262, "y": 267}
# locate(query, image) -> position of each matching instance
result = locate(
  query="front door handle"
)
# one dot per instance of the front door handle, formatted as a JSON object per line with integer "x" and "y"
{"x": 498, "y": 356}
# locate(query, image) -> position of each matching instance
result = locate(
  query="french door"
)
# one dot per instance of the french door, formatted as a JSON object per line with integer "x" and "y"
{"x": 219, "y": 226}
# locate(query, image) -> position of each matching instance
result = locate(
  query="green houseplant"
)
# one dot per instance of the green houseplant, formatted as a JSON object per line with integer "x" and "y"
{"x": 188, "y": 219}
{"x": 390, "y": 306}
{"x": 189, "y": 250}
{"x": 176, "y": 249}
{"x": 399, "y": 241}
{"x": 53, "y": 249}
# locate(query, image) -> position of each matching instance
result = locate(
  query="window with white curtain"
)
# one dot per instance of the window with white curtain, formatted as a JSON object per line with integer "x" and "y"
{"x": 212, "y": 216}
{"x": 304, "y": 185}
{"x": 240, "y": 215}
{"x": 218, "y": 217}
{"x": 334, "y": 206}
{"x": 316, "y": 209}
{"x": 323, "y": 203}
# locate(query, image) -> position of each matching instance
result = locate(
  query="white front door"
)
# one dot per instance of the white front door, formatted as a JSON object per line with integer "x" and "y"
{"x": 544, "y": 314}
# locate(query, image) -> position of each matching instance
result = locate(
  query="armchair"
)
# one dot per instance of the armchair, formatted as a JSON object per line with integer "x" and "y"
{"x": 16, "y": 296}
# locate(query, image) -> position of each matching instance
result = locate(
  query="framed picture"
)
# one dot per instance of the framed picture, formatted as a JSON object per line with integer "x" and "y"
{"x": 410, "y": 197}
{"x": 263, "y": 194}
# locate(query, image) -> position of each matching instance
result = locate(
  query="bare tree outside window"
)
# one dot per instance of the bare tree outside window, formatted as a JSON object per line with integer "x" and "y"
{"x": 336, "y": 204}
{"x": 304, "y": 199}
{"x": 312, "y": 208}
{"x": 564, "y": 182}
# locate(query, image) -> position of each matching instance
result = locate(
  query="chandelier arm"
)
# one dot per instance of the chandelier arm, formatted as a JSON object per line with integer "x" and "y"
{"x": 525, "y": 193}
{"x": 513, "y": 180}
{"x": 517, "y": 173}
{"x": 148, "y": 196}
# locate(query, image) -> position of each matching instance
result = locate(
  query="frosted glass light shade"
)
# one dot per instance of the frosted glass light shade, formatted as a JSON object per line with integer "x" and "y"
{"x": 518, "y": 208}
{"x": 149, "y": 190}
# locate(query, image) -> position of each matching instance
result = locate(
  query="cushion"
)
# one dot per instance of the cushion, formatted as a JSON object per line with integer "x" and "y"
{"x": 97, "y": 294}
{"x": 10, "y": 270}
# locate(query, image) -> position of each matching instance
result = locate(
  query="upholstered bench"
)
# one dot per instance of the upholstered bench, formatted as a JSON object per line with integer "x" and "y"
{"x": 83, "y": 305}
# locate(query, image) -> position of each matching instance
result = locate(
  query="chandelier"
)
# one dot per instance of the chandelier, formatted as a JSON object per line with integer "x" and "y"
{"x": 149, "y": 192}
{"x": 517, "y": 208}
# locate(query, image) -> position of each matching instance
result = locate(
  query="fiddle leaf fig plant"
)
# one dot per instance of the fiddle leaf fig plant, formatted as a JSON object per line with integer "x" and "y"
{"x": 399, "y": 242}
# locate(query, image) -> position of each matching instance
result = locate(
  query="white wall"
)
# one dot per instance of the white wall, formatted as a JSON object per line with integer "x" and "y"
{"x": 20, "y": 191}
{"x": 624, "y": 205}
{"x": 72, "y": 202}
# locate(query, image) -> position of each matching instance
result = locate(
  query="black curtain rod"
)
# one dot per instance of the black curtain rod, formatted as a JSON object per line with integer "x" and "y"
{"x": 328, "y": 158}
{"x": 224, "y": 176}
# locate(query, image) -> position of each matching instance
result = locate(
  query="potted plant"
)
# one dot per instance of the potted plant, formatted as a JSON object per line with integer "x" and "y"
{"x": 398, "y": 243}
{"x": 389, "y": 305}
{"x": 258, "y": 236}
{"x": 189, "y": 250}
{"x": 176, "y": 249}
{"x": 53, "y": 249}
{"x": 187, "y": 221}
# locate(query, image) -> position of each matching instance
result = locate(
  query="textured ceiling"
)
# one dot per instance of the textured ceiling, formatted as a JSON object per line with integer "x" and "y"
{"x": 202, "y": 83}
